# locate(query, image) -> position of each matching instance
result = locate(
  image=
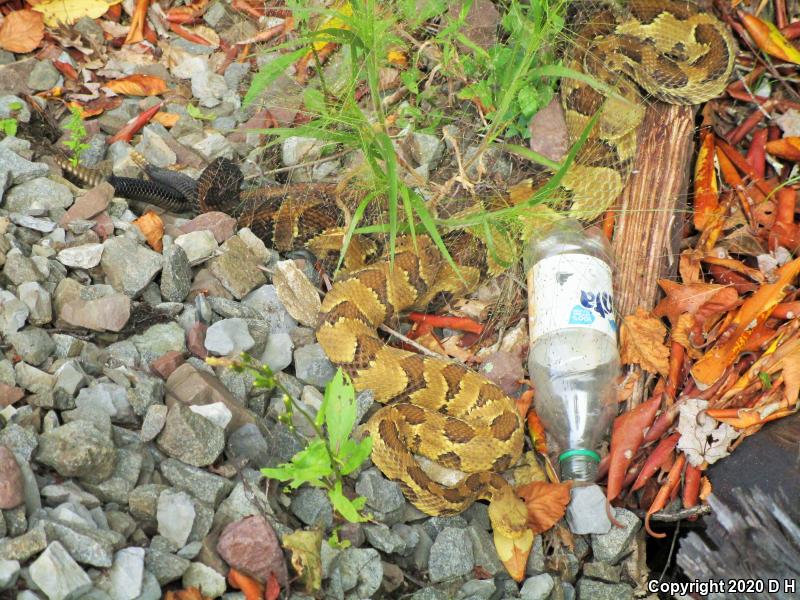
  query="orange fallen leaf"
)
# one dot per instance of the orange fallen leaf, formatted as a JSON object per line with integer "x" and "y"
{"x": 627, "y": 435}
{"x": 691, "y": 298}
{"x": 769, "y": 38}
{"x": 187, "y": 13}
{"x": 788, "y": 148}
{"x": 152, "y": 227}
{"x": 251, "y": 588}
{"x": 138, "y": 85}
{"x": 273, "y": 588}
{"x": 706, "y": 190}
{"x": 167, "y": 119}
{"x": 191, "y": 593}
{"x": 546, "y": 503}
{"x": 21, "y": 31}
{"x": 514, "y": 553}
{"x": 753, "y": 312}
{"x": 641, "y": 341}
{"x": 536, "y": 429}
{"x": 138, "y": 20}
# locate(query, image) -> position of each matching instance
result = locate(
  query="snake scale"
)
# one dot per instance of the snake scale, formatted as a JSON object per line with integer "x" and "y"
{"x": 435, "y": 408}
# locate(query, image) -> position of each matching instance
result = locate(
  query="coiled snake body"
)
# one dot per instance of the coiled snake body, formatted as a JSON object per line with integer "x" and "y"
{"x": 441, "y": 409}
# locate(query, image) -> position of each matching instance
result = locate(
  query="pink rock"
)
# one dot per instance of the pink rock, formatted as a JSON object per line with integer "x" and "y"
{"x": 9, "y": 394}
{"x": 251, "y": 546}
{"x": 165, "y": 364}
{"x": 109, "y": 313}
{"x": 104, "y": 226}
{"x": 221, "y": 225}
{"x": 195, "y": 340}
{"x": 11, "y": 483}
{"x": 89, "y": 204}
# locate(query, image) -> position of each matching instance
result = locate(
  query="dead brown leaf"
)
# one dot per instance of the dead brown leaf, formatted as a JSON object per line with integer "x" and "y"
{"x": 21, "y": 31}
{"x": 546, "y": 503}
{"x": 680, "y": 334}
{"x": 191, "y": 593}
{"x": 691, "y": 298}
{"x": 641, "y": 341}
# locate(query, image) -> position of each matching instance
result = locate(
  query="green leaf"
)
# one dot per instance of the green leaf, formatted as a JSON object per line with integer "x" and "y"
{"x": 353, "y": 454}
{"x": 339, "y": 409}
{"x": 349, "y": 509}
{"x": 307, "y": 466}
{"x": 314, "y": 101}
{"x": 766, "y": 380}
{"x": 195, "y": 112}
{"x": 270, "y": 72}
{"x": 9, "y": 126}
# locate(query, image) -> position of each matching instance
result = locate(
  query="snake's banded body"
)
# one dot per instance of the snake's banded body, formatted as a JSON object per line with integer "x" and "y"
{"x": 435, "y": 408}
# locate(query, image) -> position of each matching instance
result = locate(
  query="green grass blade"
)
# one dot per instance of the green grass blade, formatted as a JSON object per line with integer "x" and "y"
{"x": 530, "y": 155}
{"x": 269, "y": 73}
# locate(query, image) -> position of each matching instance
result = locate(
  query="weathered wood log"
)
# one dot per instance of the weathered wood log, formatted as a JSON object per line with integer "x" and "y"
{"x": 651, "y": 212}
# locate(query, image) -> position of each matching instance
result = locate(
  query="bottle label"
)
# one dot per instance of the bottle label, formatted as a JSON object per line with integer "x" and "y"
{"x": 570, "y": 290}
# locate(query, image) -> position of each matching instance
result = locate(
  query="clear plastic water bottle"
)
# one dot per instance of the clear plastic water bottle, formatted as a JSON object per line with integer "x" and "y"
{"x": 573, "y": 360}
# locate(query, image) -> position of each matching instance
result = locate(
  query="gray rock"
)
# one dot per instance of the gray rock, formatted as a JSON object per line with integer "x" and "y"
{"x": 143, "y": 501}
{"x": 237, "y": 268}
{"x": 429, "y": 593}
{"x": 587, "y": 512}
{"x": 597, "y": 590}
{"x": 20, "y": 268}
{"x": 176, "y": 516}
{"x": 209, "y": 88}
{"x": 201, "y": 484}
{"x": 176, "y": 276}
{"x": 612, "y": 547}
{"x": 77, "y": 449}
{"x": 247, "y": 442}
{"x": 38, "y": 196}
{"x": 311, "y": 365}
{"x": 84, "y": 256}
{"x": 207, "y": 580}
{"x": 278, "y": 351}
{"x": 399, "y": 539}
{"x": 477, "y": 589}
{"x": 87, "y": 545}
{"x": 9, "y": 571}
{"x": 535, "y": 564}
{"x": 96, "y": 151}
{"x": 153, "y": 422}
{"x": 18, "y": 170}
{"x": 382, "y": 494}
{"x": 484, "y": 550}
{"x": 267, "y": 304}
{"x": 356, "y": 573}
{"x": 147, "y": 391}
{"x": 312, "y": 507}
{"x": 43, "y": 76}
{"x": 14, "y": 106}
{"x": 602, "y": 572}
{"x": 32, "y": 344}
{"x": 229, "y": 336}
{"x": 451, "y": 555}
{"x": 126, "y": 473}
{"x": 38, "y": 301}
{"x": 198, "y": 245}
{"x": 213, "y": 145}
{"x": 129, "y": 266}
{"x": 190, "y": 437}
{"x": 33, "y": 223}
{"x": 32, "y": 379}
{"x": 108, "y": 398}
{"x": 165, "y": 566}
{"x": 13, "y": 313}
{"x": 159, "y": 339}
{"x": 24, "y": 546}
{"x": 155, "y": 148}
{"x": 537, "y": 587}
{"x": 568, "y": 590}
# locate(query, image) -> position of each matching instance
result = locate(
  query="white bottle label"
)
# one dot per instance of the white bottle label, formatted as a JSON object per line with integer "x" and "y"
{"x": 570, "y": 290}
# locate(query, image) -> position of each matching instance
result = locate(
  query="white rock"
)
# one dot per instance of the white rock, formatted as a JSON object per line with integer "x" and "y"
{"x": 537, "y": 588}
{"x": 217, "y": 413}
{"x": 42, "y": 225}
{"x": 229, "y": 336}
{"x": 199, "y": 246}
{"x": 297, "y": 149}
{"x": 13, "y": 313}
{"x": 57, "y": 574}
{"x": 175, "y": 515}
{"x": 126, "y": 575}
{"x": 85, "y": 256}
{"x": 38, "y": 301}
{"x": 587, "y": 512}
{"x": 210, "y": 583}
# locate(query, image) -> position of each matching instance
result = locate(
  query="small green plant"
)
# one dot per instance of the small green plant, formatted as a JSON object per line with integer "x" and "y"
{"x": 77, "y": 139}
{"x": 195, "y": 112}
{"x": 333, "y": 453}
{"x": 8, "y": 125}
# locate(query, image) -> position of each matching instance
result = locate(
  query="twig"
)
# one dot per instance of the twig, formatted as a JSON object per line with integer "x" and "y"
{"x": 673, "y": 517}
{"x": 310, "y": 163}
{"x": 410, "y": 342}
